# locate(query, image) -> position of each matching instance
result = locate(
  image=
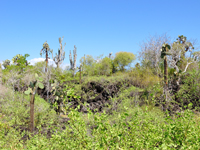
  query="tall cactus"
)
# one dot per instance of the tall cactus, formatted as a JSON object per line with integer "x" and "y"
{"x": 73, "y": 61}
{"x": 164, "y": 53}
{"x": 59, "y": 58}
{"x": 46, "y": 50}
{"x": 32, "y": 91}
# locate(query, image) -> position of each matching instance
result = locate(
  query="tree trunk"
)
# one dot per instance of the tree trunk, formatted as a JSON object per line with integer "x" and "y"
{"x": 32, "y": 113}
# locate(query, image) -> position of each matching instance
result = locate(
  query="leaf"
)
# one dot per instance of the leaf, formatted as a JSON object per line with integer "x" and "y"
{"x": 36, "y": 75}
{"x": 27, "y": 92}
{"x": 40, "y": 79}
{"x": 41, "y": 86}
{"x": 168, "y": 47}
{"x": 31, "y": 85}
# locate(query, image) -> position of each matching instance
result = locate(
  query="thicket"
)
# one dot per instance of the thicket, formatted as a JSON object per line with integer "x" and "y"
{"x": 105, "y": 103}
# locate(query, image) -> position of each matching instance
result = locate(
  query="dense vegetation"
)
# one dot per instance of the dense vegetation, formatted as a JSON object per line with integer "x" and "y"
{"x": 105, "y": 103}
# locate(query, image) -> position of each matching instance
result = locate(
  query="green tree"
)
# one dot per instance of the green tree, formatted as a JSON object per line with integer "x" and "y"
{"x": 20, "y": 61}
{"x": 6, "y": 63}
{"x": 86, "y": 62}
{"x": 123, "y": 59}
{"x": 105, "y": 67}
{"x": 47, "y": 51}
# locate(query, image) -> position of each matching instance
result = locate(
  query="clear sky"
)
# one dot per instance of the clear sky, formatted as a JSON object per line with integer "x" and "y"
{"x": 95, "y": 26}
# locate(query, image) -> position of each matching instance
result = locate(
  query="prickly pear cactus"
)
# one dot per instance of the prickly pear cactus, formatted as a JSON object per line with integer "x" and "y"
{"x": 34, "y": 85}
{"x": 32, "y": 91}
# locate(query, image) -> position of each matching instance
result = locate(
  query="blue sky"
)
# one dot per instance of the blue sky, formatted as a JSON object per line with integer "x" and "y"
{"x": 95, "y": 26}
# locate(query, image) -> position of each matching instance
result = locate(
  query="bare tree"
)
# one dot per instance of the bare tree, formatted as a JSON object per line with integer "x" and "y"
{"x": 73, "y": 61}
{"x": 150, "y": 52}
{"x": 59, "y": 58}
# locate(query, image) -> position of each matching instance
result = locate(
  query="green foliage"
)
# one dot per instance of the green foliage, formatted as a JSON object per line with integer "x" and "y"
{"x": 20, "y": 62}
{"x": 134, "y": 128}
{"x": 18, "y": 110}
{"x": 63, "y": 95}
{"x": 165, "y": 50}
{"x": 123, "y": 59}
{"x": 128, "y": 119}
{"x": 144, "y": 77}
{"x": 105, "y": 66}
{"x": 189, "y": 91}
{"x": 87, "y": 62}
{"x": 6, "y": 63}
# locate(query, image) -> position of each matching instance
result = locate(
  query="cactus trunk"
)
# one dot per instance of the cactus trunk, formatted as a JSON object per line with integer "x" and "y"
{"x": 165, "y": 70}
{"x": 46, "y": 60}
{"x": 32, "y": 113}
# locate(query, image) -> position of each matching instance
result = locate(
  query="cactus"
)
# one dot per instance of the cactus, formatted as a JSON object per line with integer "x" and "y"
{"x": 73, "y": 62}
{"x": 59, "y": 58}
{"x": 46, "y": 50}
{"x": 32, "y": 91}
{"x": 164, "y": 53}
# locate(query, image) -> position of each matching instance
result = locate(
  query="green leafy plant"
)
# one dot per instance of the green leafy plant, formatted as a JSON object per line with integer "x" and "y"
{"x": 62, "y": 95}
{"x": 6, "y": 63}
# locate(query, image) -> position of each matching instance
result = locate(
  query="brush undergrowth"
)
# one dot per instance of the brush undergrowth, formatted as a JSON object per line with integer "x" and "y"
{"x": 129, "y": 126}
